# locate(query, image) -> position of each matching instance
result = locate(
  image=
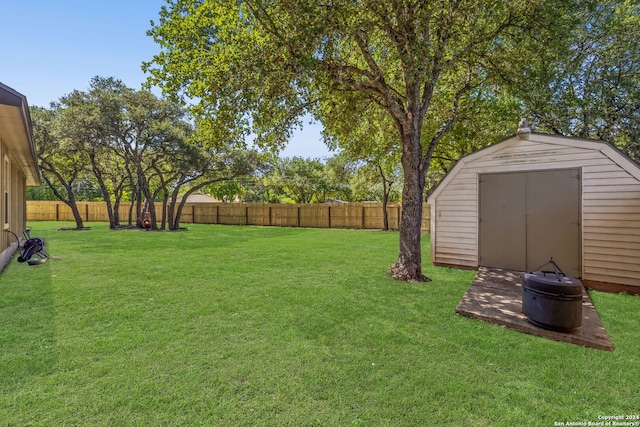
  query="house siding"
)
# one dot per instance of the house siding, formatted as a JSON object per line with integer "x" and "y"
{"x": 18, "y": 167}
{"x": 610, "y": 203}
{"x": 12, "y": 180}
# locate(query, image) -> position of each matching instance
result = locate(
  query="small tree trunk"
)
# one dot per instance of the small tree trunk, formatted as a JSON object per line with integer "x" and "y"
{"x": 130, "y": 218}
{"x": 103, "y": 188}
{"x": 385, "y": 214}
{"x": 116, "y": 211}
{"x": 71, "y": 202}
{"x": 77, "y": 217}
{"x": 386, "y": 189}
{"x": 176, "y": 222}
{"x": 151, "y": 208}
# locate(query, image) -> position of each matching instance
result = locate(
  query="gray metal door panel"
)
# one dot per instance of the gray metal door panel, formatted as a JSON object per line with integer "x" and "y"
{"x": 503, "y": 221}
{"x": 553, "y": 219}
{"x": 528, "y": 217}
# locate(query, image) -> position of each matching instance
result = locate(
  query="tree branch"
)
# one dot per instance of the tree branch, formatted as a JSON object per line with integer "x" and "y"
{"x": 446, "y": 127}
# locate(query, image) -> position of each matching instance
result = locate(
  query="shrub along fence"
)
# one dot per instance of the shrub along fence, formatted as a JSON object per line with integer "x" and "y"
{"x": 318, "y": 215}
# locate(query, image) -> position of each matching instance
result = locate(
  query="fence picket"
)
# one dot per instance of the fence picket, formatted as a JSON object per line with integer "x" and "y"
{"x": 317, "y": 215}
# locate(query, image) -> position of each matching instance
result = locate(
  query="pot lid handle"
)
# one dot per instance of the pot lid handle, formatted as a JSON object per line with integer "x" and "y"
{"x": 558, "y": 272}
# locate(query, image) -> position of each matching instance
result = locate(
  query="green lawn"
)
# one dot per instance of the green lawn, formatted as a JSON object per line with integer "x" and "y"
{"x": 226, "y": 326}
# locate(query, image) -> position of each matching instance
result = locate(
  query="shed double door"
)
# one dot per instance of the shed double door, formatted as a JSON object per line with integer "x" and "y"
{"x": 528, "y": 217}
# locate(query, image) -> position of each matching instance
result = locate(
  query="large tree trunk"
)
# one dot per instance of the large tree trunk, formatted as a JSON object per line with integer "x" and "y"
{"x": 408, "y": 267}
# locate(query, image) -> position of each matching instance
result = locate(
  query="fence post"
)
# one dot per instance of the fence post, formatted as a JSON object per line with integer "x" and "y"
{"x": 329, "y": 216}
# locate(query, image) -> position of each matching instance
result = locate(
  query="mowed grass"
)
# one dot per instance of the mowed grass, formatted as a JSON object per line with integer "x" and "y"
{"x": 257, "y": 326}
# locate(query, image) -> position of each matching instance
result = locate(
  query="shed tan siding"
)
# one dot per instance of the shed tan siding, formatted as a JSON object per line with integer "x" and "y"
{"x": 456, "y": 222}
{"x": 611, "y": 224}
{"x": 610, "y": 203}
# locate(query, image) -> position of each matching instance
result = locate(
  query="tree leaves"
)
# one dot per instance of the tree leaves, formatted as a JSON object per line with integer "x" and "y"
{"x": 587, "y": 82}
{"x": 349, "y": 62}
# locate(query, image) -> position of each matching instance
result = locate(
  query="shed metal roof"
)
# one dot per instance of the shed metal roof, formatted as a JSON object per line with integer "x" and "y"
{"x": 604, "y": 147}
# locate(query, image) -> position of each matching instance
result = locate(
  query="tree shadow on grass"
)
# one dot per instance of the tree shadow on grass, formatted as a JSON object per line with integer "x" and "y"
{"x": 27, "y": 340}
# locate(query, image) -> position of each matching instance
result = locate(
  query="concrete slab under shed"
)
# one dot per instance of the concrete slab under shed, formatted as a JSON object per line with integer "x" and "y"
{"x": 496, "y": 297}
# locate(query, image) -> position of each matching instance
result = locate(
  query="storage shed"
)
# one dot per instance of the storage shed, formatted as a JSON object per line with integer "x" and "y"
{"x": 18, "y": 167}
{"x": 532, "y": 197}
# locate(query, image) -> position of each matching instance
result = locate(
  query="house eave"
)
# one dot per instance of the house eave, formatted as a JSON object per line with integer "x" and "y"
{"x": 16, "y": 133}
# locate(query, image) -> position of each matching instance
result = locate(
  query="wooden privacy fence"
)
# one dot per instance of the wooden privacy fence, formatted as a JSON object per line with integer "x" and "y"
{"x": 318, "y": 215}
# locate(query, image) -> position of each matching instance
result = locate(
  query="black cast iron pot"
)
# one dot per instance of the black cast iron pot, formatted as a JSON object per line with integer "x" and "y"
{"x": 552, "y": 300}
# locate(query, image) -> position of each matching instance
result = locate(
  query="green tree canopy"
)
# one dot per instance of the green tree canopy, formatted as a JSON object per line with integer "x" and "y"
{"x": 261, "y": 65}
{"x": 589, "y": 85}
{"x": 302, "y": 180}
{"x": 133, "y": 142}
{"x": 63, "y": 161}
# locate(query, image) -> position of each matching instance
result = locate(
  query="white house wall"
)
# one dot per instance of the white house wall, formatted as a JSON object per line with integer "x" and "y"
{"x": 610, "y": 207}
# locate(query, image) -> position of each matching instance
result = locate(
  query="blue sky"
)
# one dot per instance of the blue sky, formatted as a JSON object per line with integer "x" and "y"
{"x": 49, "y": 48}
